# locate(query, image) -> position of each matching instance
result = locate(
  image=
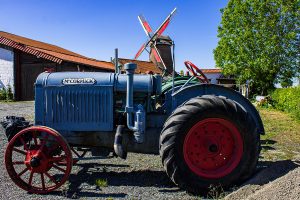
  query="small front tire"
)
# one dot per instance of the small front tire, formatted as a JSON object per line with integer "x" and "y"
{"x": 41, "y": 164}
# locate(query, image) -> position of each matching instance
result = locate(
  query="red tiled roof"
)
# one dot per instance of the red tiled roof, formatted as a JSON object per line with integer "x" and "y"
{"x": 211, "y": 71}
{"x": 142, "y": 66}
{"x": 80, "y": 60}
{"x": 26, "y": 49}
{"x": 50, "y": 52}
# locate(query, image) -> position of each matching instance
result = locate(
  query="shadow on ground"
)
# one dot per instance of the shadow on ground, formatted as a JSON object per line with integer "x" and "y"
{"x": 90, "y": 172}
{"x": 268, "y": 144}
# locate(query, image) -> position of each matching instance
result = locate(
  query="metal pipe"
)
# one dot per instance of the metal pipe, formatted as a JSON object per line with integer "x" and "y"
{"x": 173, "y": 75}
{"x": 138, "y": 125}
{"x": 130, "y": 67}
{"x": 116, "y": 61}
{"x": 190, "y": 79}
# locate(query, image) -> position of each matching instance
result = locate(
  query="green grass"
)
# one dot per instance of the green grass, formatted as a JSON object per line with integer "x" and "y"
{"x": 101, "y": 182}
{"x": 282, "y": 138}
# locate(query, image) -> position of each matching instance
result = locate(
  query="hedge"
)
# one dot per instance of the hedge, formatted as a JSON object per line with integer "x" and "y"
{"x": 287, "y": 99}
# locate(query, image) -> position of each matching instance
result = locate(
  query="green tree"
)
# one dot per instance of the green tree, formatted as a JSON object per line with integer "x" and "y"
{"x": 259, "y": 41}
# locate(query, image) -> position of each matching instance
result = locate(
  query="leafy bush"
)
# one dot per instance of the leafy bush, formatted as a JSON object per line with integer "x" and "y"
{"x": 287, "y": 99}
{"x": 6, "y": 94}
{"x": 9, "y": 94}
{"x": 2, "y": 94}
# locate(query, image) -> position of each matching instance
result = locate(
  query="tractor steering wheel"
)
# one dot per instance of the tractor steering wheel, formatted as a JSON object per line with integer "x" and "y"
{"x": 196, "y": 72}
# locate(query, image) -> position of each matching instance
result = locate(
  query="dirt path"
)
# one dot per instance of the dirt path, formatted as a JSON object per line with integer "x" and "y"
{"x": 142, "y": 176}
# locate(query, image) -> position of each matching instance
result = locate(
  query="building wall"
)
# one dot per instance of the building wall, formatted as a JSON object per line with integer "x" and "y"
{"x": 213, "y": 77}
{"x": 6, "y": 67}
{"x": 30, "y": 68}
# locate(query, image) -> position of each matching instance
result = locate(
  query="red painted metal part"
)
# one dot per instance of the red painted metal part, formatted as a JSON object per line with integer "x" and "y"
{"x": 191, "y": 67}
{"x": 42, "y": 164}
{"x": 213, "y": 148}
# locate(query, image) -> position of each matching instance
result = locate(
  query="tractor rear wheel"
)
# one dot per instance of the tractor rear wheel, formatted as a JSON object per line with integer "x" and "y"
{"x": 209, "y": 141}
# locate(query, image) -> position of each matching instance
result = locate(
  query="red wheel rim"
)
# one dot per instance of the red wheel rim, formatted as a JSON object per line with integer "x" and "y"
{"x": 213, "y": 148}
{"x": 42, "y": 163}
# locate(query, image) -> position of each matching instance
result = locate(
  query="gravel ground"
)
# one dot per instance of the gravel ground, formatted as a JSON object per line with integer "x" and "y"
{"x": 275, "y": 180}
{"x": 142, "y": 176}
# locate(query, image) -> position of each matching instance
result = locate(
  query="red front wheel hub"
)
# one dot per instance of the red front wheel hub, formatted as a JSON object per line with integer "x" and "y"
{"x": 213, "y": 148}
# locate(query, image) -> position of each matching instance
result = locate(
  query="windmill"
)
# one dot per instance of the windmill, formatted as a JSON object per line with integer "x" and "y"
{"x": 161, "y": 49}
{"x": 158, "y": 46}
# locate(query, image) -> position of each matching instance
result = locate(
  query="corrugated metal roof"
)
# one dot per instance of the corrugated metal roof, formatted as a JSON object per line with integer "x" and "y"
{"x": 50, "y": 52}
{"x": 142, "y": 66}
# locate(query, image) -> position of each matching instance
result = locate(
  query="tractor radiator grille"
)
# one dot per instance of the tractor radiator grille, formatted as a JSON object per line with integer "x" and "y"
{"x": 79, "y": 108}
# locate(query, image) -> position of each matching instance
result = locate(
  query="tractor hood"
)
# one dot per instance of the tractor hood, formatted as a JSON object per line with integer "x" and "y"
{"x": 142, "y": 82}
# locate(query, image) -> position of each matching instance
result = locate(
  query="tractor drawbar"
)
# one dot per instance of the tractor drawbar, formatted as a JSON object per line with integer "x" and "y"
{"x": 118, "y": 145}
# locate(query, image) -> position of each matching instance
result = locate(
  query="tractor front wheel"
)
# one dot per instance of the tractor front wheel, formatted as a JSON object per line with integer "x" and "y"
{"x": 41, "y": 163}
{"x": 208, "y": 141}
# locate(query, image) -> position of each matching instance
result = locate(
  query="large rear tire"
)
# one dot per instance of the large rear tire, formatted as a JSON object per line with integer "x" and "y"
{"x": 208, "y": 141}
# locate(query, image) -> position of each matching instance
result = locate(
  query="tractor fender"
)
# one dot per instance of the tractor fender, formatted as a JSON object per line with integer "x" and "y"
{"x": 191, "y": 91}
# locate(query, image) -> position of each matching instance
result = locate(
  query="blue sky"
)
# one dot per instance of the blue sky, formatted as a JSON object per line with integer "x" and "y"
{"x": 94, "y": 28}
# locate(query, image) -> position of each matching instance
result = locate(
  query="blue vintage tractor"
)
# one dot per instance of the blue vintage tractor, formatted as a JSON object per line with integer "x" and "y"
{"x": 206, "y": 134}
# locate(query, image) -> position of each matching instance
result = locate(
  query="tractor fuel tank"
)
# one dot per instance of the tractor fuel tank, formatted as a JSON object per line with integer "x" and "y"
{"x": 84, "y": 101}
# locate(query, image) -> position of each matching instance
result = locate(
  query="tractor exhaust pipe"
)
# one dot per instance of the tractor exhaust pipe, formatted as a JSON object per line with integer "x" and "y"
{"x": 118, "y": 145}
{"x": 135, "y": 117}
{"x": 130, "y": 67}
